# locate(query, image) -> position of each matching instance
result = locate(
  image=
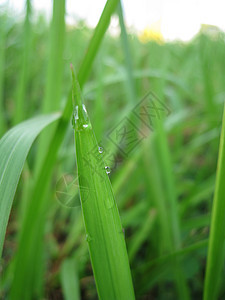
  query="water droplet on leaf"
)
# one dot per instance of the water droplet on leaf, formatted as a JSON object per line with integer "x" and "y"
{"x": 88, "y": 238}
{"x": 107, "y": 170}
{"x": 100, "y": 150}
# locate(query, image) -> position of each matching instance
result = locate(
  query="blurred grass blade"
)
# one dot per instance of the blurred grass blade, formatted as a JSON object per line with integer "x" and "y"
{"x": 55, "y": 64}
{"x": 28, "y": 260}
{"x": 215, "y": 258}
{"x": 99, "y": 109}
{"x": 70, "y": 280}
{"x": 20, "y": 97}
{"x": 2, "y": 68}
{"x": 162, "y": 152}
{"x": 51, "y": 101}
{"x": 99, "y": 32}
{"x": 104, "y": 231}
{"x": 164, "y": 162}
{"x": 14, "y": 147}
{"x": 141, "y": 235}
{"x": 131, "y": 90}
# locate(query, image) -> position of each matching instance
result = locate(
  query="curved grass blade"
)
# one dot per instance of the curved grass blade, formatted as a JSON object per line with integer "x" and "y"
{"x": 2, "y": 74}
{"x": 21, "y": 91}
{"x": 104, "y": 231}
{"x": 215, "y": 259}
{"x": 14, "y": 147}
{"x": 97, "y": 39}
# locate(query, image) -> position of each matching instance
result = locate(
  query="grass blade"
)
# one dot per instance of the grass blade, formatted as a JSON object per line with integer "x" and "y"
{"x": 102, "y": 222}
{"x": 2, "y": 67}
{"x": 14, "y": 147}
{"x": 70, "y": 280}
{"x": 99, "y": 32}
{"x": 51, "y": 101}
{"x": 24, "y": 71}
{"x": 215, "y": 258}
{"x": 131, "y": 90}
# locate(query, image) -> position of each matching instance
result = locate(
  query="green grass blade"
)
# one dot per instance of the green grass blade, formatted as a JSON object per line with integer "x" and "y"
{"x": 24, "y": 70}
{"x": 53, "y": 92}
{"x": 2, "y": 68}
{"x": 70, "y": 280}
{"x": 161, "y": 263}
{"x": 96, "y": 41}
{"x": 99, "y": 109}
{"x": 127, "y": 57}
{"x": 141, "y": 235}
{"x": 55, "y": 64}
{"x": 165, "y": 165}
{"x": 215, "y": 258}
{"x": 179, "y": 253}
{"x": 102, "y": 222}
{"x": 28, "y": 260}
{"x": 14, "y": 147}
{"x": 164, "y": 159}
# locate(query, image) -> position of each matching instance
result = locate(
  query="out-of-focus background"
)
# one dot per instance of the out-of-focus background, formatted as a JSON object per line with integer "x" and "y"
{"x": 177, "y": 19}
{"x": 164, "y": 56}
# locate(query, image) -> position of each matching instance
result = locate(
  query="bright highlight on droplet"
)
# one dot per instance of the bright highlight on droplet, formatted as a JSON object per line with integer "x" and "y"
{"x": 107, "y": 168}
{"x": 100, "y": 150}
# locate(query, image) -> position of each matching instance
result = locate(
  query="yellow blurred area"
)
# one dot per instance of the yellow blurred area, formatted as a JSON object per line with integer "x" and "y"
{"x": 152, "y": 33}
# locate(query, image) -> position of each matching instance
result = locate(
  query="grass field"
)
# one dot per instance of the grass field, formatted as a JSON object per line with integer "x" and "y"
{"x": 112, "y": 178}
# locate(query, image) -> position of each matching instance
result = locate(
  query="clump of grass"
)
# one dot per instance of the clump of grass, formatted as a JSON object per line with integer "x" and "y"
{"x": 163, "y": 189}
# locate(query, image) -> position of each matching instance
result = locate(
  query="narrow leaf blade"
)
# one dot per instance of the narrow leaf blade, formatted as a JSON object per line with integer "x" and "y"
{"x": 14, "y": 148}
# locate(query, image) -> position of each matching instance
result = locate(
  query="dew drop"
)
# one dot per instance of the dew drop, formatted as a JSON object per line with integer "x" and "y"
{"x": 75, "y": 117}
{"x": 80, "y": 120}
{"x": 84, "y": 108}
{"x": 107, "y": 170}
{"x": 100, "y": 150}
{"x": 88, "y": 238}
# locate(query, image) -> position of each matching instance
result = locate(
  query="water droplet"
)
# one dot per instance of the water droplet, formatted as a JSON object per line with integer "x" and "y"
{"x": 80, "y": 120}
{"x": 84, "y": 108}
{"x": 88, "y": 238}
{"x": 100, "y": 150}
{"x": 107, "y": 168}
{"x": 75, "y": 116}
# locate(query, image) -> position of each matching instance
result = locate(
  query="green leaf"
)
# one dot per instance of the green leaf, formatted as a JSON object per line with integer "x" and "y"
{"x": 215, "y": 259}
{"x": 104, "y": 231}
{"x": 14, "y": 147}
{"x": 69, "y": 280}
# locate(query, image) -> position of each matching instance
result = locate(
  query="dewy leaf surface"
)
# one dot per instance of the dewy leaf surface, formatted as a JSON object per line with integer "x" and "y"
{"x": 104, "y": 231}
